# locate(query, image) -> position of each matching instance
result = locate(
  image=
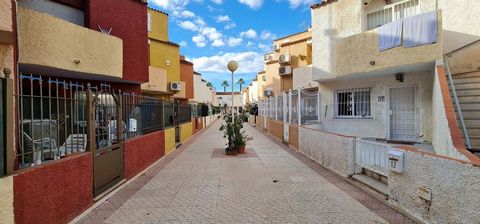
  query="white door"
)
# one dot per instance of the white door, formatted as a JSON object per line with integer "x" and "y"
{"x": 402, "y": 105}
{"x": 286, "y": 115}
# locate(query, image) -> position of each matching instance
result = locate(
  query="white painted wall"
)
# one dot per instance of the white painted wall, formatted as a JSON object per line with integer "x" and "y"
{"x": 377, "y": 126}
{"x": 202, "y": 93}
{"x": 302, "y": 78}
{"x": 253, "y": 92}
{"x": 227, "y": 99}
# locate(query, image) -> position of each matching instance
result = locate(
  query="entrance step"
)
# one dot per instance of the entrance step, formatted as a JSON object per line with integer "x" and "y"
{"x": 372, "y": 183}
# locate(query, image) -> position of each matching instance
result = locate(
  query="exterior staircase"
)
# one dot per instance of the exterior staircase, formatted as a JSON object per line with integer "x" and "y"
{"x": 467, "y": 88}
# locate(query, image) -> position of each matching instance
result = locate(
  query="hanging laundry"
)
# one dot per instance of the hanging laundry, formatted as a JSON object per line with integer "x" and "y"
{"x": 420, "y": 29}
{"x": 390, "y": 35}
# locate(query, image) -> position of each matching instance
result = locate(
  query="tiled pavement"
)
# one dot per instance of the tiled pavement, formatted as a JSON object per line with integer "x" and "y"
{"x": 271, "y": 184}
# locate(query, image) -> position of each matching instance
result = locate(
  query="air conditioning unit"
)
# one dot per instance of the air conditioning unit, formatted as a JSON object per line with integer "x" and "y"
{"x": 284, "y": 59}
{"x": 268, "y": 57}
{"x": 276, "y": 47}
{"x": 175, "y": 86}
{"x": 285, "y": 70}
{"x": 268, "y": 92}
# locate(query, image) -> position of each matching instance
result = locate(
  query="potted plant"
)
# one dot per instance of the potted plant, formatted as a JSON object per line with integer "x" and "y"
{"x": 240, "y": 142}
{"x": 228, "y": 128}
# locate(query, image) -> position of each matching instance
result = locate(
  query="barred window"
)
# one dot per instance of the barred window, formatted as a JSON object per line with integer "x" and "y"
{"x": 353, "y": 103}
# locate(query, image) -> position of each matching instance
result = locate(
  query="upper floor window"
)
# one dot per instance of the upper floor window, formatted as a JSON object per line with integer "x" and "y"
{"x": 74, "y": 14}
{"x": 392, "y": 12}
{"x": 353, "y": 103}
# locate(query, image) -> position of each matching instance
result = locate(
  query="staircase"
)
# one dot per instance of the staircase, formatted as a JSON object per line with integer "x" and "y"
{"x": 467, "y": 89}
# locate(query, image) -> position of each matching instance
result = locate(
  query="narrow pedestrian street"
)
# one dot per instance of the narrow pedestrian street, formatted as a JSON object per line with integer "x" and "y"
{"x": 197, "y": 183}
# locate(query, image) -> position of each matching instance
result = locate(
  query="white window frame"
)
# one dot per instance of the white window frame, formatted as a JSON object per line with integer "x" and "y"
{"x": 149, "y": 22}
{"x": 390, "y": 7}
{"x": 353, "y": 90}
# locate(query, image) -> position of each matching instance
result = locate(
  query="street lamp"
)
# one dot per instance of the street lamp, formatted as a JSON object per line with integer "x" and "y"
{"x": 232, "y": 67}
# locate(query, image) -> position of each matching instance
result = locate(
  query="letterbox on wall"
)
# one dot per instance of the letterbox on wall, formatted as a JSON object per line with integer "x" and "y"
{"x": 395, "y": 161}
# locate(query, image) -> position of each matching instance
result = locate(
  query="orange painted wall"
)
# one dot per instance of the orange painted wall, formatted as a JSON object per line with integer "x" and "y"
{"x": 293, "y": 136}
{"x": 275, "y": 128}
{"x": 186, "y": 75}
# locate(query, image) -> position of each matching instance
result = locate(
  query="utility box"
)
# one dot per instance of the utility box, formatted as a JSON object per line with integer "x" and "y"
{"x": 395, "y": 161}
{"x": 132, "y": 125}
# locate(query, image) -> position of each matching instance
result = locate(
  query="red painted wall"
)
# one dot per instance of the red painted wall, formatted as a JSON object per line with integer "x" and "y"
{"x": 54, "y": 192}
{"x": 142, "y": 151}
{"x": 128, "y": 20}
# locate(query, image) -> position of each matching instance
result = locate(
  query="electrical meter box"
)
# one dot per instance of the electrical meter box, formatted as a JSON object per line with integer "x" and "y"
{"x": 395, "y": 161}
{"x": 132, "y": 125}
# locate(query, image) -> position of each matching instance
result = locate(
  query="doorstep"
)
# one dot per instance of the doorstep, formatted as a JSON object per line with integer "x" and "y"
{"x": 371, "y": 182}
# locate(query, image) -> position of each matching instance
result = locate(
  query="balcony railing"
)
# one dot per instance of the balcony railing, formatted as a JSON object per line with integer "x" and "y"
{"x": 392, "y": 12}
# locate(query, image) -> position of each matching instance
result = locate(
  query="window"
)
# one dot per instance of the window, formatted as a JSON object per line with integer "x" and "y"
{"x": 392, "y": 12}
{"x": 353, "y": 103}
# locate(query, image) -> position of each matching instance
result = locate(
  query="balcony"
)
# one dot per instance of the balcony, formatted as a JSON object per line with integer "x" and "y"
{"x": 359, "y": 55}
{"x": 6, "y": 32}
{"x": 53, "y": 46}
{"x": 157, "y": 81}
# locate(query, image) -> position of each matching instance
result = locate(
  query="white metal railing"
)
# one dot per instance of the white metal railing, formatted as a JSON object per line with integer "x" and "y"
{"x": 392, "y": 12}
{"x": 372, "y": 156}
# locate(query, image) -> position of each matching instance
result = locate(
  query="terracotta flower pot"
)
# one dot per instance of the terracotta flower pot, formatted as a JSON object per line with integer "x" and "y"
{"x": 241, "y": 149}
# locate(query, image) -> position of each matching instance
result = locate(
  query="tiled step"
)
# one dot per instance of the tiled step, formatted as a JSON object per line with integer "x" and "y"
{"x": 372, "y": 182}
{"x": 470, "y": 80}
{"x": 473, "y": 130}
{"x": 468, "y": 99}
{"x": 465, "y": 75}
{"x": 467, "y": 86}
{"x": 470, "y": 115}
{"x": 469, "y": 92}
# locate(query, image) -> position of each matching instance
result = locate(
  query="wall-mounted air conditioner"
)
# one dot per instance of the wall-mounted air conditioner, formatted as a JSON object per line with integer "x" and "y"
{"x": 276, "y": 47}
{"x": 285, "y": 70}
{"x": 268, "y": 57}
{"x": 284, "y": 59}
{"x": 268, "y": 92}
{"x": 175, "y": 86}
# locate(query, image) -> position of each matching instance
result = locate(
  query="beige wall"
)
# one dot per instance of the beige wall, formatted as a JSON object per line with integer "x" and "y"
{"x": 56, "y": 44}
{"x": 157, "y": 80}
{"x": 302, "y": 78}
{"x": 6, "y": 199}
{"x": 6, "y": 21}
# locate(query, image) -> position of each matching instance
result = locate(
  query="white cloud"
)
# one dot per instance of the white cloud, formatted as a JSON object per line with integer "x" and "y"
{"x": 295, "y": 3}
{"x": 264, "y": 47}
{"x": 187, "y": 14}
{"x": 188, "y": 25}
{"x": 250, "y": 43}
{"x": 233, "y": 41}
{"x": 217, "y": 1}
{"x": 170, "y": 4}
{"x": 249, "y": 34}
{"x": 183, "y": 43}
{"x": 248, "y": 62}
{"x": 199, "y": 40}
{"x": 254, "y": 4}
{"x": 221, "y": 19}
{"x": 218, "y": 43}
{"x": 266, "y": 35}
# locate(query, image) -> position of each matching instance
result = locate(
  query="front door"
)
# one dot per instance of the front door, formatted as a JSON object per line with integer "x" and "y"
{"x": 403, "y": 119}
{"x": 106, "y": 128}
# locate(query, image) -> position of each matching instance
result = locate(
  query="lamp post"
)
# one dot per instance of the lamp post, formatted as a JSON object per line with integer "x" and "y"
{"x": 232, "y": 67}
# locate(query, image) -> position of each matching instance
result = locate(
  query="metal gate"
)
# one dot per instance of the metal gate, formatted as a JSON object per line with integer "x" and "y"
{"x": 105, "y": 138}
{"x": 2, "y": 128}
{"x": 286, "y": 116}
{"x": 403, "y": 114}
{"x": 175, "y": 123}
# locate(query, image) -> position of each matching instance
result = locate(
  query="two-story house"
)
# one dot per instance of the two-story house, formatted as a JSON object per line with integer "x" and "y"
{"x": 381, "y": 69}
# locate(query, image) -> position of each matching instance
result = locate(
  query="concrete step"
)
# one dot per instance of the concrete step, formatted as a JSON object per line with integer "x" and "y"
{"x": 467, "y": 92}
{"x": 473, "y": 130}
{"x": 470, "y": 115}
{"x": 468, "y": 80}
{"x": 467, "y": 86}
{"x": 470, "y": 122}
{"x": 465, "y": 75}
{"x": 372, "y": 182}
{"x": 468, "y": 99}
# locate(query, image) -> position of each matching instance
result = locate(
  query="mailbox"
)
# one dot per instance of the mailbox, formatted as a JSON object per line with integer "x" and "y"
{"x": 132, "y": 125}
{"x": 395, "y": 161}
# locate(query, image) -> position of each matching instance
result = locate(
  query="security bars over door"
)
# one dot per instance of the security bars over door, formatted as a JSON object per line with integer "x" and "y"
{"x": 403, "y": 114}
{"x": 107, "y": 129}
{"x": 392, "y": 12}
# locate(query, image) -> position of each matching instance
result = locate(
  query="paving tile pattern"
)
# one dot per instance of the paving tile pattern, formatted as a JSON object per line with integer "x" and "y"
{"x": 274, "y": 185}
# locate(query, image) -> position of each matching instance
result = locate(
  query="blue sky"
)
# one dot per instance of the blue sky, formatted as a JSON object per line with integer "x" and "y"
{"x": 212, "y": 32}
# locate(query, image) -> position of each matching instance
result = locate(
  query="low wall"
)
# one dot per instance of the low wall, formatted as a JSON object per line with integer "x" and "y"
{"x": 169, "y": 140}
{"x": 197, "y": 124}
{"x": 260, "y": 123}
{"x": 293, "y": 140}
{"x": 275, "y": 128}
{"x": 142, "y": 151}
{"x": 185, "y": 131}
{"x": 55, "y": 192}
{"x": 454, "y": 185}
{"x": 333, "y": 151}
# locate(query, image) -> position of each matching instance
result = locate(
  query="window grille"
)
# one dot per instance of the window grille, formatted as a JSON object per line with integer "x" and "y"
{"x": 392, "y": 12}
{"x": 353, "y": 103}
{"x": 309, "y": 101}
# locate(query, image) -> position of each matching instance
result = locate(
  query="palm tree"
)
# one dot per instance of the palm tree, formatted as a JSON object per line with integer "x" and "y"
{"x": 209, "y": 84}
{"x": 241, "y": 82}
{"x": 225, "y": 85}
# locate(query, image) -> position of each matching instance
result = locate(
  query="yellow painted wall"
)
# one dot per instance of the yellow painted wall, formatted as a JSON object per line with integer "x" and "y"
{"x": 159, "y": 25}
{"x": 52, "y": 42}
{"x": 157, "y": 80}
{"x": 169, "y": 140}
{"x": 185, "y": 132}
{"x": 167, "y": 57}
